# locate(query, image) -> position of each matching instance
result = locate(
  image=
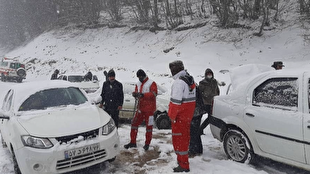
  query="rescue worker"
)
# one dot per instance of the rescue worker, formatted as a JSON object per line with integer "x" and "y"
{"x": 55, "y": 75}
{"x": 145, "y": 93}
{"x": 112, "y": 96}
{"x": 277, "y": 65}
{"x": 181, "y": 110}
{"x": 208, "y": 88}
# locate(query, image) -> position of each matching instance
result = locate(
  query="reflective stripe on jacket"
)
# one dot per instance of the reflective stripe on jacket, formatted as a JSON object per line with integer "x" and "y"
{"x": 182, "y": 98}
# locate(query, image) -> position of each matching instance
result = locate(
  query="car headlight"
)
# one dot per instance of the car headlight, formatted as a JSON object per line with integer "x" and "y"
{"x": 108, "y": 128}
{"x": 36, "y": 142}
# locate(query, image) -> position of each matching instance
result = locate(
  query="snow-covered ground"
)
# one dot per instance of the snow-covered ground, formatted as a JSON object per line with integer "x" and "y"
{"x": 72, "y": 50}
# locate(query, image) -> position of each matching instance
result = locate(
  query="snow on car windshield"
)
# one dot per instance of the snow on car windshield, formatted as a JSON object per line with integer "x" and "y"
{"x": 75, "y": 78}
{"x": 53, "y": 98}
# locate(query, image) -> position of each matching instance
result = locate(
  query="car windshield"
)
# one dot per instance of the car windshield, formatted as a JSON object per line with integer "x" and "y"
{"x": 53, "y": 98}
{"x": 75, "y": 78}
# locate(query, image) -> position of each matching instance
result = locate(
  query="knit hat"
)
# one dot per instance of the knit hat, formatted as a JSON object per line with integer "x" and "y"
{"x": 141, "y": 73}
{"x": 176, "y": 66}
{"x": 111, "y": 73}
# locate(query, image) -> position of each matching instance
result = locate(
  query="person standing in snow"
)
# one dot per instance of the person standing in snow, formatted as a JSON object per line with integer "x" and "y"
{"x": 55, "y": 75}
{"x": 195, "y": 144}
{"x": 181, "y": 111}
{"x": 208, "y": 88}
{"x": 145, "y": 94}
{"x": 112, "y": 96}
{"x": 88, "y": 76}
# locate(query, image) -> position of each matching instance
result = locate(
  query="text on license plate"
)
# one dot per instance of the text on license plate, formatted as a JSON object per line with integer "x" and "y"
{"x": 82, "y": 150}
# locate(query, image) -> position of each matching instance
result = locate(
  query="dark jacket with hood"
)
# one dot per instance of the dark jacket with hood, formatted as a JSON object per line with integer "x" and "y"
{"x": 112, "y": 95}
{"x": 208, "y": 88}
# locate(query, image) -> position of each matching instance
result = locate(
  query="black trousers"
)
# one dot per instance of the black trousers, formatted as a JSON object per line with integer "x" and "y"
{"x": 195, "y": 144}
{"x": 115, "y": 115}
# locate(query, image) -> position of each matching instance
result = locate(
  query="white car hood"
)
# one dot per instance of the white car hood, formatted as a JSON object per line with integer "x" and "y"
{"x": 64, "y": 121}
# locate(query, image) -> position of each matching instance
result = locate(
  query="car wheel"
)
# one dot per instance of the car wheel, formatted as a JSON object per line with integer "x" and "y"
{"x": 2, "y": 77}
{"x": 163, "y": 121}
{"x": 21, "y": 72}
{"x": 19, "y": 80}
{"x": 236, "y": 146}
{"x": 16, "y": 167}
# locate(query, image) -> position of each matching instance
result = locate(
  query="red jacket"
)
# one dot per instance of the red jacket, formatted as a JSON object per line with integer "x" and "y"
{"x": 148, "y": 102}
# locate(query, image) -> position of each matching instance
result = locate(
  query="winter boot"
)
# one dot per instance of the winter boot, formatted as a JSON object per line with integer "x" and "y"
{"x": 180, "y": 169}
{"x": 130, "y": 145}
{"x": 146, "y": 147}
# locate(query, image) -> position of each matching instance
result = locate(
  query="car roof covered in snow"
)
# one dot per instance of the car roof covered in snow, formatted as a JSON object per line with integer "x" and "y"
{"x": 239, "y": 91}
{"x": 23, "y": 90}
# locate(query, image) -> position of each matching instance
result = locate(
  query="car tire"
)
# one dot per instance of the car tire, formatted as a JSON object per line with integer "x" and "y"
{"x": 16, "y": 167}
{"x": 163, "y": 121}
{"x": 21, "y": 72}
{"x": 19, "y": 80}
{"x": 236, "y": 146}
{"x": 2, "y": 77}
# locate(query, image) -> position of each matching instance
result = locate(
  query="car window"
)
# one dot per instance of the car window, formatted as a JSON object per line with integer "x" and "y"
{"x": 75, "y": 78}
{"x": 53, "y": 98}
{"x": 277, "y": 92}
{"x": 4, "y": 63}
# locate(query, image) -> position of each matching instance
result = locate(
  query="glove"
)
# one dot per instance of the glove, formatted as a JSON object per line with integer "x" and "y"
{"x": 135, "y": 94}
{"x": 140, "y": 95}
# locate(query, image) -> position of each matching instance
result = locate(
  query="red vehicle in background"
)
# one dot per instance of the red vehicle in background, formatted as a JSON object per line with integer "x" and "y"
{"x": 12, "y": 70}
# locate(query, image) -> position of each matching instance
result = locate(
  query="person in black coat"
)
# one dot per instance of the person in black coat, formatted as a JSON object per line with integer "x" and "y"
{"x": 55, "y": 75}
{"x": 112, "y": 97}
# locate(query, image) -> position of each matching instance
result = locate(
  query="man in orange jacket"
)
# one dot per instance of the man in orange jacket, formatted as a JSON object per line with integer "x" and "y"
{"x": 181, "y": 111}
{"x": 145, "y": 92}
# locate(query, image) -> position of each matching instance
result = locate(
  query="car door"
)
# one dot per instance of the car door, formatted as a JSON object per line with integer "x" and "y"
{"x": 306, "y": 125}
{"x": 275, "y": 118}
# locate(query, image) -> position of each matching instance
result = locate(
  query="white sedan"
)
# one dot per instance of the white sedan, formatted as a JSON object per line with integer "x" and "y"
{"x": 51, "y": 127}
{"x": 267, "y": 114}
{"x": 88, "y": 86}
{"x": 162, "y": 121}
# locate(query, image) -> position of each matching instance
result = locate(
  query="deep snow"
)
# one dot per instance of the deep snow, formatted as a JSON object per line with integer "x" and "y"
{"x": 73, "y": 50}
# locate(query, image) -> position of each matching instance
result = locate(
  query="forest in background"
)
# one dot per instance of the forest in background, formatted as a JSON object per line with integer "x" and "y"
{"x": 23, "y": 20}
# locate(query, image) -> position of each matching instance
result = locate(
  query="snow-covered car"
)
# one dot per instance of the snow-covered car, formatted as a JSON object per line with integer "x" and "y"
{"x": 162, "y": 121}
{"x": 267, "y": 115}
{"x": 88, "y": 86}
{"x": 52, "y": 127}
{"x": 11, "y": 69}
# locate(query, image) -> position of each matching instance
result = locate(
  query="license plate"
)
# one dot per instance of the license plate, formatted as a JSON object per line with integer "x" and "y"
{"x": 81, "y": 151}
